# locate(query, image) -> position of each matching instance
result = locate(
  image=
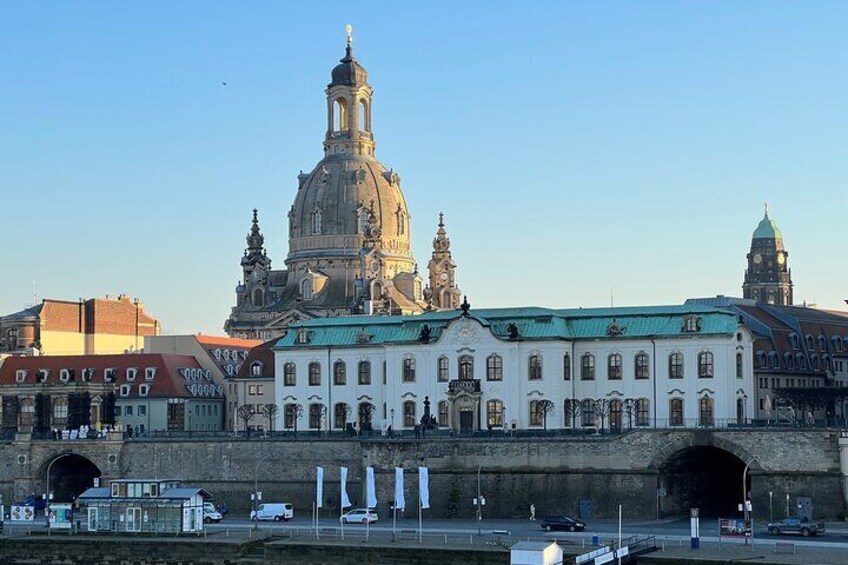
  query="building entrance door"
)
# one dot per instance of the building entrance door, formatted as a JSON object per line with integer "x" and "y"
{"x": 466, "y": 421}
{"x": 92, "y": 519}
{"x": 134, "y": 519}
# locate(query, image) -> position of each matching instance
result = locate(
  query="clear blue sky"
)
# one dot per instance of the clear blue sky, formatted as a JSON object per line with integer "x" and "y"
{"x": 575, "y": 147}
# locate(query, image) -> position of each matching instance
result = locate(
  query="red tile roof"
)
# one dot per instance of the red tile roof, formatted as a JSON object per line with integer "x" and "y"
{"x": 176, "y": 376}
{"x": 227, "y": 341}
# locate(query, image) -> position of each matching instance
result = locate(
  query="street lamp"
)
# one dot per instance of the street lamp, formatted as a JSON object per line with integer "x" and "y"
{"x": 391, "y": 422}
{"x": 47, "y": 494}
{"x": 255, "y": 496}
{"x": 479, "y": 501}
{"x": 771, "y": 514}
{"x": 745, "y": 494}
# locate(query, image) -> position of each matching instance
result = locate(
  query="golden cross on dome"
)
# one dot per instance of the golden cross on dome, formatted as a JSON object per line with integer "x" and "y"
{"x": 766, "y": 207}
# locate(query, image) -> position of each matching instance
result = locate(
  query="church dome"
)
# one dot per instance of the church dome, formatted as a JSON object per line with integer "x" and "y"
{"x": 767, "y": 229}
{"x": 349, "y": 72}
{"x": 333, "y": 204}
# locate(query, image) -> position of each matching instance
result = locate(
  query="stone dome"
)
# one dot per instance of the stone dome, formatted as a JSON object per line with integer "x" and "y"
{"x": 349, "y": 72}
{"x": 332, "y": 206}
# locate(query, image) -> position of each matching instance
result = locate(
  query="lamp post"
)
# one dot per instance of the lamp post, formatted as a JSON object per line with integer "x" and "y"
{"x": 787, "y": 505}
{"x": 771, "y": 514}
{"x": 255, "y": 496}
{"x": 479, "y": 501}
{"x": 745, "y": 514}
{"x": 391, "y": 422}
{"x": 48, "y": 494}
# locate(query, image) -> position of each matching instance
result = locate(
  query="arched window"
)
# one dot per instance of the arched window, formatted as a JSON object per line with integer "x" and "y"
{"x": 705, "y": 417}
{"x": 409, "y": 370}
{"x": 705, "y": 365}
{"x": 256, "y": 369}
{"x": 316, "y": 412}
{"x": 802, "y": 361}
{"x": 675, "y": 411}
{"x": 364, "y": 372}
{"x": 675, "y": 366}
{"x": 443, "y": 413}
{"x": 317, "y": 222}
{"x": 466, "y": 368}
{"x": 366, "y": 416}
{"x": 289, "y": 374}
{"x": 642, "y": 368}
{"x": 814, "y": 362}
{"x": 587, "y": 410}
{"x": 364, "y": 118}
{"x": 566, "y": 367}
{"x": 790, "y": 360}
{"x": 615, "y": 414}
{"x": 340, "y": 117}
{"x": 401, "y": 223}
{"x": 340, "y": 416}
{"x": 643, "y": 412}
{"x": 442, "y": 368}
{"x": 614, "y": 367}
{"x": 494, "y": 368}
{"x": 339, "y": 373}
{"x": 306, "y": 288}
{"x": 494, "y": 413}
{"x": 409, "y": 414}
{"x": 740, "y": 373}
{"x": 534, "y": 368}
{"x": 587, "y": 367}
{"x": 363, "y": 220}
{"x": 837, "y": 343}
{"x": 258, "y": 297}
{"x": 290, "y": 416}
{"x": 795, "y": 341}
{"x": 536, "y": 414}
{"x": 315, "y": 374}
{"x": 822, "y": 343}
{"x": 809, "y": 340}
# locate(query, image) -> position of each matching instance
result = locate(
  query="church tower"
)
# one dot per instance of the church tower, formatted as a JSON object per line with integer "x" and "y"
{"x": 442, "y": 294}
{"x": 768, "y": 277}
{"x": 255, "y": 265}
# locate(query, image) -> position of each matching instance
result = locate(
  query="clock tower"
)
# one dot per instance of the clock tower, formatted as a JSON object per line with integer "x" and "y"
{"x": 442, "y": 294}
{"x": 768, "y": 278}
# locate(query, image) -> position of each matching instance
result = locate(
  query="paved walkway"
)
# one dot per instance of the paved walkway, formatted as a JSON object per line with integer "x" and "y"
{"x": 739, "y": 554}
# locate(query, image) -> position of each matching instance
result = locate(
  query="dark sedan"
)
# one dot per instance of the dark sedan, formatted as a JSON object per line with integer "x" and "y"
{"x": 563, "y": 523}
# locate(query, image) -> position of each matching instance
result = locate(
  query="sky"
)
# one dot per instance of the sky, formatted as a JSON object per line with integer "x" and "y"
{"x": 581, "y": 151}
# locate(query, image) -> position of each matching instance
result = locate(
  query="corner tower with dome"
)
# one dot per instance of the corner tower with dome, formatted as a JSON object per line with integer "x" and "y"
{"x": 350, "y": 242}
{"x": 768, "y": 277}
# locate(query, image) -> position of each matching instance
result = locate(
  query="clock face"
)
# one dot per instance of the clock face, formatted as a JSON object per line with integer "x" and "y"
{"x": 375, "y": 266}
{"x": 443, "y": 276}
{"x": 781, "y": 258}
{"x": 758, "y": 258}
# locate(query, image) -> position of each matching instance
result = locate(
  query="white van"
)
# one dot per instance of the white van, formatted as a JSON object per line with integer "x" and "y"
{"x": 273, "y": 511}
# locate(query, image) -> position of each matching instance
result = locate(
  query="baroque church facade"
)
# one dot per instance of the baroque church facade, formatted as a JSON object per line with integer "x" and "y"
{"x": 350, "y": 243}
{"x": 768, "y": 278}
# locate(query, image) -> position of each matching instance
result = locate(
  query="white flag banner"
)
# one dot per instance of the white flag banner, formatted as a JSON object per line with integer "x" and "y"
{"x": 424, "y": 486}
{"x": 345, "y": 499}
{"x": 400, "y": 503}
{"x": 319, "y": 488}
{"x": 370, "y": 487}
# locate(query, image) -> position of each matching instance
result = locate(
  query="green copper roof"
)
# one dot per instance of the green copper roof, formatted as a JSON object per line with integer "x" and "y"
{"x": 532, "y": 323}
{"x": 767, "y": 229}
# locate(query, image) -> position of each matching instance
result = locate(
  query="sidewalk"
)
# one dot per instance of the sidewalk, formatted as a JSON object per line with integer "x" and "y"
{"x": 760, "y": 554}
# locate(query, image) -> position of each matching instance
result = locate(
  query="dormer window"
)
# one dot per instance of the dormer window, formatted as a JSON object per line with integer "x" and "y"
{"x": 43, "y": 374}
{"x": 87, "y": 374}
{"x": 217, "y": 354}
{"x": 822, "y": 343}
{"x": 20, "y": 375}
{"x": 837, "y": 343}
{"x": 131, "y": 373}
{"x": 795, "y": 341}
{"x": 65, "y": 375}
{"x": 302, "y": 337}
{"x": 150, "y": 373}
{"x": 809, "y": 340}
{"x": 256, "y": 369}
{"x": 125, "y": 390}
{"x": 692, "y": 324}
{"x": 306, "y": 291}
{"x": 109, "y": 374}
{"x": 143, "y": 389}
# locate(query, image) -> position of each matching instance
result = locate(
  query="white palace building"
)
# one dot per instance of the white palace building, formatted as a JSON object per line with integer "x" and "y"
{"x": 518, "y": 368}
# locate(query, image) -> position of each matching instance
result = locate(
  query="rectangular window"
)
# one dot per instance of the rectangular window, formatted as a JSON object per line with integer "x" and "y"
{"x": 409, "y": 414}
{"x": 587, "y": 367}
{"x": 128, "y": 410}
{"x": 409, "y": 370}
{"x": 260, "y": 390}
{"x": 289, "y": 375}
{"x": 364, "y": 372}
{"x": 142, "y": 410}
{"x": 60, "y": 411}
{"x": 125, "y": 390}
{"x": 131, "y": 373}
{"x": 314, "y": 374}
{"x": 442, "y": 370}
{"x": 643, "y": 370}
{"x": 251, "y": 390}
{"x": 566, "y": 367}
{"x": 536, "y": 416}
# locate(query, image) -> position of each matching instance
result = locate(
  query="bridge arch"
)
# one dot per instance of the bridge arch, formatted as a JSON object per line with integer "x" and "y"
{"x": 704, "y": 472}
{"x": 67, "y": 475}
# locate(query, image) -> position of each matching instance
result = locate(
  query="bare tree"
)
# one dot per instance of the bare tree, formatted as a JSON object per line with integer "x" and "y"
{"x": 270, "y": 411}
{"x": 573, "y": 409}
{"x": 602, "y": 409}
{"x": 245, "y": 413}
{"x": 629, "y": 407}
{"x": 297, "y": 414}
{"x": 546, "y": 407}
{"x": 366, "y": 416}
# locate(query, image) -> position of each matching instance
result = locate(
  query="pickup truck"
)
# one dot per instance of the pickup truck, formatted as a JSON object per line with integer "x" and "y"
{"x": 801, "y": 526}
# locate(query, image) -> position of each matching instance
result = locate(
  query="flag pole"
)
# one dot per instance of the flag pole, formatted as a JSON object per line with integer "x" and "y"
{"x": 420, "y": 524}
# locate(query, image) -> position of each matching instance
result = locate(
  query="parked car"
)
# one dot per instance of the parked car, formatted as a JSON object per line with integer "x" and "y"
{"x": 35, "y": 500}
{"x": 563, "y": 523}
{"x": 276, "y": 511}
{"x": 801, "y": 526}
{"x": 359, "y": 516}
{"x": 211, "y": 514}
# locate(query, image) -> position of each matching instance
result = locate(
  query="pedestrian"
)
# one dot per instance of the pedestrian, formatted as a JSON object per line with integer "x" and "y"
{"x": 532, "y": 512}
{"x": 417, "y": 431}
{"x": 489, "y": 427}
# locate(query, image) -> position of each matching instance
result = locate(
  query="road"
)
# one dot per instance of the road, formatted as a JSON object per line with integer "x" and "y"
{"x": 673, "y": 531}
